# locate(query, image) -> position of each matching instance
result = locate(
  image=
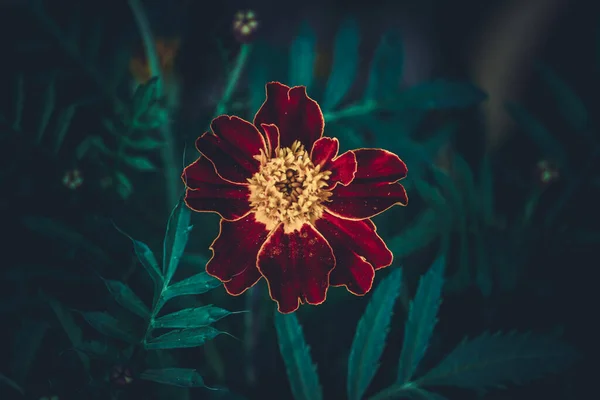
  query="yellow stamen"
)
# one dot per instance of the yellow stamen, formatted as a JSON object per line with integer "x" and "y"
{"x": 288, "y": 189}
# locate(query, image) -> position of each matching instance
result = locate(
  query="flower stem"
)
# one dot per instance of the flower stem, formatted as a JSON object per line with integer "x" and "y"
{"x": 234, "y": 77}
{"x": 168, "y": 150}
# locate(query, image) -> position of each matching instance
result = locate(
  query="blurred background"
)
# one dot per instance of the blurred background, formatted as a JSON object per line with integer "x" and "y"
{"x": 491, "y": 105}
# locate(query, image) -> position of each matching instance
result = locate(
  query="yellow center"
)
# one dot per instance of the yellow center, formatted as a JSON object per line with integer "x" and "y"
{"x": 288, "y": 189}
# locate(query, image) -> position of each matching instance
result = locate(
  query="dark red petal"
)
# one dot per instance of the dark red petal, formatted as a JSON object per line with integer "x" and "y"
{"x": 296, "y": 266}
{"x": 232, "y": 147}
{"x": 378, "y": 166}
{"x": 373, "y": 189}
{"x": 297, "y": 116}
{"x": 242, "y": 282}
{"x": 343, "y": 167}
{"x": 272, "y": 135}
{"x": 358, "y": 251}
{"x": 359, "y": 201}
{"x": 208, "y": 192}
{"x": 236, "y": 248}
{"x": 359, "y": 236}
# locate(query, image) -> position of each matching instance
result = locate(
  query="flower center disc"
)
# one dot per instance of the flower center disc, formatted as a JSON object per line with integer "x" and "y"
{"x": 288, "y": 189}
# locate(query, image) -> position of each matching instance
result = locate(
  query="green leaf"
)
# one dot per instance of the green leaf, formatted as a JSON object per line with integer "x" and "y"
{"x": 370, "y": 336}
{"x": 439, "y": 95}
{"x": 127, "y": 298}
{"x": 183, "y": 338}
{"x": 97, "y": 349}
{"x": 301, "y": 371}
{"x": 191, "y": 317}
{"x": 108, "y": 325}
{"x": 146, "y": 143}
{"x": 124, "y": 186}
{"x": 422, "y": 318}
{"x": 9, "y": 382}
{"x": 493, "y": 360}
{"x": 183, "y": 377}
{"x": 178, "y": 231}
{"x": 541, "y": 137}
{"x": 73, "y": 331}
{"x": 195, "y": 284}
{"x": 140, "y": 163}
{"x": 569, "y": 104}
{"x": 148, "y": 260}
{"x": 302, "y": 57}
{"x": 386, "y": 68}
{"x": 345, "y": 64}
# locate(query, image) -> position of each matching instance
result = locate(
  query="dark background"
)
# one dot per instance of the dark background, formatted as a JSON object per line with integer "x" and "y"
{"x": 442, "y": 39}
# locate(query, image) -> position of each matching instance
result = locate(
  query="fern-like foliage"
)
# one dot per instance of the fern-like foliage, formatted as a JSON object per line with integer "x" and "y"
{"x": 189, "y": 327}
{"x": 302, "y": 372}
{"x": 495, "y": 360}
{"x": 371, "y": 332}
{"x": 488, "y": 361}
{"x": 422, "y": 318}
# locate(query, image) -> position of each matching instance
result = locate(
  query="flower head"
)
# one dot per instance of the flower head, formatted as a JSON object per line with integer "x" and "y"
{"x": 292, "y": 209}
{"x": 121, "y": 375}
{"x": 166, "y": 50}
{"x": 73, "y": 179}
{"x": 245, "y": 26}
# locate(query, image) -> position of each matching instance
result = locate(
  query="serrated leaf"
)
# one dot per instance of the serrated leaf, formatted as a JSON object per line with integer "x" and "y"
{"x": 140, "y": 163}
{"x": 73, "y": 331}
{"x": 439, "y": 95}
{"x": 422, "y": 318}
{"x": 149, "y": 262}
{"x": 144, "y": 144}
{"x": 541, "y": 137}
{"x": 370, "y": 336}
{"x": 178, "y": 231}
{"x": 301, "y": 371}
{"x": 345, "y": 64}
{"x": 183, "y": 377}
{"x": 569, "y": 104}
{"x": 493, "y": 360}
{"x": 302, "y": 57}
{"x": 183, "y": 338}
{"x": 108, "y": 325}
{"x": 127, "y": 298}
{"x": 386, "y": 68}
{"x": 191, "y": 317}
{"x": 195, "y": 284}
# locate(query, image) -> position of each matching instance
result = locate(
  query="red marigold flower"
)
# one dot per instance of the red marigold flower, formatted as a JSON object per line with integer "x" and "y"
{"x": 292, "y": 210}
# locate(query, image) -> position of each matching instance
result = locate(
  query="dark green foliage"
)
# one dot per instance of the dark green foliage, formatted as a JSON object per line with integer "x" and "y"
{"x": 345, "y": 65}
{"x": 386, "y": 68}
{"x": 178, "y": 230}
{"x": 570, "y": 106}
{"x": 539, "y": 134}
{"x": 183, "y": 377}
{"x": 192, "y": 317}
{"x": 302, "y": 57}
{"x": 422, "y": 318}
{"x": 127, "y": 298}
{"x": 488, "y": 361}
{"x": 495, "y": 360}
{"x": 371, "y": 332}
{"x": 301, "y": 371}
{"x": 110, "y": 326}
{"x": 182, "y": 338}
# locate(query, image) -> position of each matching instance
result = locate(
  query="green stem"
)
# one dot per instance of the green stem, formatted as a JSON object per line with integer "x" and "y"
{"x": 168, "y": 150}
{"x": 234, "y": 77}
